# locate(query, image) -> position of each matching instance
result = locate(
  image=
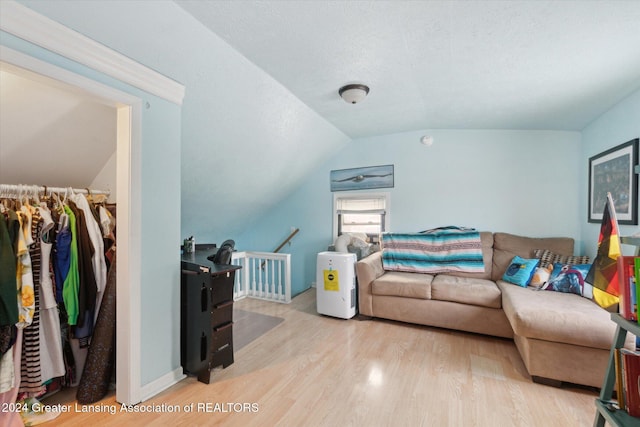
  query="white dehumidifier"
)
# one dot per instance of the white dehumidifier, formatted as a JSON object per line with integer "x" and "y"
{"x": 336, "y": 284}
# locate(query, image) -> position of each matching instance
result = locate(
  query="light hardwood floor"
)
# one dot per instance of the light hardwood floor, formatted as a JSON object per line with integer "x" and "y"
{"x": 313, "y": 370}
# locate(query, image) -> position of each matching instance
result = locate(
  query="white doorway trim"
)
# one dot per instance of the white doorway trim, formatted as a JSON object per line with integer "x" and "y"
{"x": 46, "y": 33}
{"x": 128, "y": 215}
{"x": 29, "y": 25}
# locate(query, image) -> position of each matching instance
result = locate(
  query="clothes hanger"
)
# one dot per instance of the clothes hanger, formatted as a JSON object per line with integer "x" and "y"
{"x": 36, "y": 196}
{"x": 45, "y": 197}
{"x": 63, "y": 220}
{"x": 89, "y": 196}
{"x": 28, "y": 196}
{"x": 19, "y": 199}
{"x": 31, "y": 196}
{"x": 57, "y": 203}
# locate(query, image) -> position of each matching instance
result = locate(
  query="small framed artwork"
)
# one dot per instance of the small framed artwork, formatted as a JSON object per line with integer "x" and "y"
{"x": 614, "y": 171}
{"x": 362, "y": 178}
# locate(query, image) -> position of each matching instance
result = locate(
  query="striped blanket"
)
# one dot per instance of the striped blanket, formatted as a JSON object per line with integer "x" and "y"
{"x": 441, "y": 251}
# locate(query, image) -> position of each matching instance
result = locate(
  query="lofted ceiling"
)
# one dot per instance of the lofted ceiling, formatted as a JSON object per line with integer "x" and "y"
{"x": 552, "y": 65}
{"x": 51, "y": 133}
{"x": 262, "y": 80}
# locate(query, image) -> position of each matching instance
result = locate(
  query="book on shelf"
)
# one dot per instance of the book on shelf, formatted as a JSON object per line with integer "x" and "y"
{"x": 628, "y": 285}
{"x": 631, "y": 381}
{"x": 619, "y": 380}
{"x": 637, "y": 276}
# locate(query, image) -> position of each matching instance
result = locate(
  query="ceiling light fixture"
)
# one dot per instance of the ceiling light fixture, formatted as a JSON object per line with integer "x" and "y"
{"x": 353, "y": 93}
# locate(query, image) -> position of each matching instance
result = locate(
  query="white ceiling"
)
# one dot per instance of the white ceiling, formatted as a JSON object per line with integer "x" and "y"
{"x": 441, "y": 64}
{"x": 51, "y": 133}
{"x": 262, "y": 78}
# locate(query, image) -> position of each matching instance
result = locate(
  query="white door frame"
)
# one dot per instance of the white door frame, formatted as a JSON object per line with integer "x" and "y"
{"x": 42, "y": 31}
{"x": 128, "y": 216}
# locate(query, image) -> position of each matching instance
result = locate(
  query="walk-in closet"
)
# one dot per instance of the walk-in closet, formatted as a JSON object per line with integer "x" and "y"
{"x": 58, "y": 218}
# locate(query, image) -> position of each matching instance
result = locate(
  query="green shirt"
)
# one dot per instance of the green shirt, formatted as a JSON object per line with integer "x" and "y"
{"x": 72, "y": 282}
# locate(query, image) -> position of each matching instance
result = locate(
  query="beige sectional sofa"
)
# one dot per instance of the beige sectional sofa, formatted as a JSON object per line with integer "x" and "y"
{"x": 560, "y": 336}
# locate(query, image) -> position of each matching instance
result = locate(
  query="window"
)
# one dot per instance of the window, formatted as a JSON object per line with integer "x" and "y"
{"x": 364, "y": 213}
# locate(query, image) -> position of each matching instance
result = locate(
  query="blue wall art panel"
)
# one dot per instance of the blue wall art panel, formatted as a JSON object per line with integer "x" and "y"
{"x": 362, "y": 178}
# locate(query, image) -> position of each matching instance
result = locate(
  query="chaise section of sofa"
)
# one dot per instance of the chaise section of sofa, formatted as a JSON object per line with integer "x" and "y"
{"x": 560, "y": 336}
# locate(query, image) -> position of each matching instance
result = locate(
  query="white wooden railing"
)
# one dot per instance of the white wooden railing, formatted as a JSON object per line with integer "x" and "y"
{"x": 264, "y": 275}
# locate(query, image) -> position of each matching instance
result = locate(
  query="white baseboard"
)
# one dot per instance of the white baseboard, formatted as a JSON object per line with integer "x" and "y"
{"x": 147, "y": 391}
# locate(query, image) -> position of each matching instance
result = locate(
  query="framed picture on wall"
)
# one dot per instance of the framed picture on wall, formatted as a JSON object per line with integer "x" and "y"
{"x": 362, "y": 178}
{"x": 612, "y": 171}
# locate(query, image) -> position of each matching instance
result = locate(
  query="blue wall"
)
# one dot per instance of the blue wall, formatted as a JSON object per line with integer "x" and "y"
{"x": 618, "y": 125}
{"x": 160, "y": 273}
{"x": 521, "y": 182}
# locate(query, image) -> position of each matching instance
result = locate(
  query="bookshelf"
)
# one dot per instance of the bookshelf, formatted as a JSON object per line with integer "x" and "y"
{"x": 604, "y": 410}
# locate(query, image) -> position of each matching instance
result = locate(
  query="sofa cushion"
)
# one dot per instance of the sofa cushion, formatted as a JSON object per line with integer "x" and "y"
{"x": 466, "y": 290}
{"x": 556, "y": 317}
{"x": 506, "y": 246}
{"x": 403, "y": 284}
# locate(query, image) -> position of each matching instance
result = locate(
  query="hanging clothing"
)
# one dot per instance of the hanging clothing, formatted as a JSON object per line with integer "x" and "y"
{"x": 55, "y": 279}
{"x": 108, "y": 222}
{"x": 24, "y": 276}
{"x": 7, "y": 338}
{"x": 8, "y": 263}
{"x": 72, "y": 281}
{"x": 62, "y": 254}
{"x": 105, "y": 221}
{"x": 7, "y": 371}
{"x": 31, "y": 375}
{"x": 95, "y": 236}
{"x": 51, "y": 356}
{"x": 11, "y": 418}
{"x": 87, "y": 289}
{"x": 8, "y": 298}
{"x": 94, "y": 384}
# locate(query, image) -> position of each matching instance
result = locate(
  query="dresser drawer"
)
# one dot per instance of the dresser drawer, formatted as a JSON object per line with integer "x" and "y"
{"x": 222, "y": 313}
{"x": 222, "y": 357}
{"x": 221, "y": 288}
{"x": 222, "y": 337}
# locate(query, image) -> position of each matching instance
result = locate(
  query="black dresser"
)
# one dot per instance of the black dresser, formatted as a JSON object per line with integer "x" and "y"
{"x": 206, "y": 313}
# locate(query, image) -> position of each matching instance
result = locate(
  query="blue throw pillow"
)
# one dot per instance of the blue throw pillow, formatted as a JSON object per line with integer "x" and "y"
{"x": 520, "y": 271}
{"x": 568, "y": 278}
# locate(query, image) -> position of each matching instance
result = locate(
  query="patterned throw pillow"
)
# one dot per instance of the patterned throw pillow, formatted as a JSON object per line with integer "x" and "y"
{"x": 548, "y": 258}
{"x": 520, "y": 271}
{"x": 541, "y": 276}
{"x": 570, "y": 278}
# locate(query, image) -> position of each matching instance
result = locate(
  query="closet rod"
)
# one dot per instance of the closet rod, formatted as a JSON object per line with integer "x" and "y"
{"x": 14, "y": 189}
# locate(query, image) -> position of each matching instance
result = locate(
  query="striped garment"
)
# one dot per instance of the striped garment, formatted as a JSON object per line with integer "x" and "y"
{"x": 442, "y": 251}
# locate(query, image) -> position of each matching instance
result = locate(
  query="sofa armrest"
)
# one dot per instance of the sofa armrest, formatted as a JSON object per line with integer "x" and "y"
{"x": 368, "y": 269}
